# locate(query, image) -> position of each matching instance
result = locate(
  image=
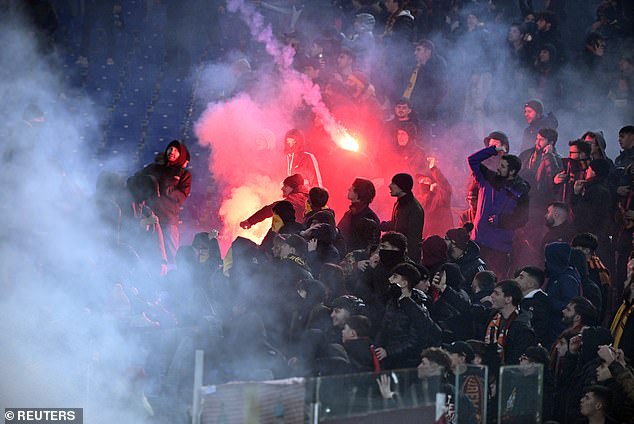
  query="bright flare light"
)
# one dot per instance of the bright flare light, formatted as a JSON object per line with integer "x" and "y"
{"x": 346, "y": 141}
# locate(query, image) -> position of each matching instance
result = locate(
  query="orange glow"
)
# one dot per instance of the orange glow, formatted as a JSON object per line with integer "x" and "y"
{"x": 346, "y": 141}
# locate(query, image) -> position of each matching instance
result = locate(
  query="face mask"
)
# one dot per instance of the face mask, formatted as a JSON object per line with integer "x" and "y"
{"x": 391, "y": 258}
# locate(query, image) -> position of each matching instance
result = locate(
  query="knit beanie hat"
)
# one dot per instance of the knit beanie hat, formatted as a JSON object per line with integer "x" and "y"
{"x": 536, "y": 105}
{"x": 285, "y": 210}
{"x": 404, "y": 181}
{"x": 459, "y": 236}
{"x": 434, "y": 251}
{"x": 294, "y": 181}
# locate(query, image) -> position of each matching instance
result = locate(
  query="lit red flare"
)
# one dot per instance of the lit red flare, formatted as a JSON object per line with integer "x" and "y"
{"x": 346, "y": 141}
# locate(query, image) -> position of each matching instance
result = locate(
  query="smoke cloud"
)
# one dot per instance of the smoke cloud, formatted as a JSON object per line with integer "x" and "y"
{"x": 62, "y": 339}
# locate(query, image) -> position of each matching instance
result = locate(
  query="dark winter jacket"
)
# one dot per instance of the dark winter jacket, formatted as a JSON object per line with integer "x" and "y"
{"x": 452, "y": 313}
{"x": 537, "y": 304}
{"x": 408, "y": 218}
{"x": 502, "y": 204}
{"x": 354, "y": 227}
{"x": 563, "y": 283}
{"x": 519, "y": 337}
{"x": 360, "y": 355}
{"x": 405, "y": 331}
{"x": 591, "y": 208}
{"x": 530, "y": 133}
{"x": 174, "y": 183}
{"x": 539, "y": 169}
{"x": 470, "y": 262}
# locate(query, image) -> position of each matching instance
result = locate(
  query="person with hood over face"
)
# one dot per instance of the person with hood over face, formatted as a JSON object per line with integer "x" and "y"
{"x": 298, "y": 161}
{"x": 564, "y": 282}
{"x": 598, "y": 144}
{"x": 174, "y": 186}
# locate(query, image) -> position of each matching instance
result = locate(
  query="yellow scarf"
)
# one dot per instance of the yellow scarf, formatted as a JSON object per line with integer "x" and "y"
{"x": 619, "y": 322}
{"x": 412, "y": 83}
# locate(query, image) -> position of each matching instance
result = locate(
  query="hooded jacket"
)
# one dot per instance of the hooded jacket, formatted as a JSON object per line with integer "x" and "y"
{"x": 174, "y": 184}
{"x": 470, "y": 262}
{"x": 563, "y": 283}
{"x": 502, "y": 204}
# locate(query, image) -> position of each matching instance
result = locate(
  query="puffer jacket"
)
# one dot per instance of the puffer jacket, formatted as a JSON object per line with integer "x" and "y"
{"x": 406, "y": 329}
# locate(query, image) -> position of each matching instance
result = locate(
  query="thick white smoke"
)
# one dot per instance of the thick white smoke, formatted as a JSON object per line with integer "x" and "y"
{"x": 62, "y": 344}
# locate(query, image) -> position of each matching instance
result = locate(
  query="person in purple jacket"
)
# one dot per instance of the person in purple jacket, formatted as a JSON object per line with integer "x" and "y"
{"x": 503, "y": 202}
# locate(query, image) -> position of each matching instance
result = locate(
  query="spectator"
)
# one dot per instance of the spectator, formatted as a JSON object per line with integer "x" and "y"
{"x": 359, "y": 226}
{"x": 622, "y": 326}
{"x": 482, "y": 286}
{"x": 294, "y": 192}
{"x": 591, "y": 202}
{"x": 343, "y": 308}
{"x": 461, "y": 354}
{"x": 597, "y": 143}
{"x": 300, "y": 162}
{"x": 574, "y": 168}
{"x": 427, "y": 85}
{"x": 174, "y": 185}
{"x": 356, "y": 341}
{"x": 406, "y": 327}
{"x": 598, "y": 272}
{"x": 408, "y": 216}
{"x": 563, "y": 284}
{"x": 539, "y": 167}
{"x": 595, "y": 404}
{"x": 536, "y": 302}
{"x": 502, "y": 207}
{"x": 508, "y": 332}
{"x": 536, "y": 120}
{"x": 589, "y": 288}
{"x": 560, "y": 229}
{"x": 434, "y": 194}
{"x": 317, "y": 202}
{"x": 464, "y": 252}
{"x": 321, "y": 249}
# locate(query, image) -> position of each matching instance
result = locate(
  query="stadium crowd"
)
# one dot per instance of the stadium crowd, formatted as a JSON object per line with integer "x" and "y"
{"x": 538, "y": 267}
